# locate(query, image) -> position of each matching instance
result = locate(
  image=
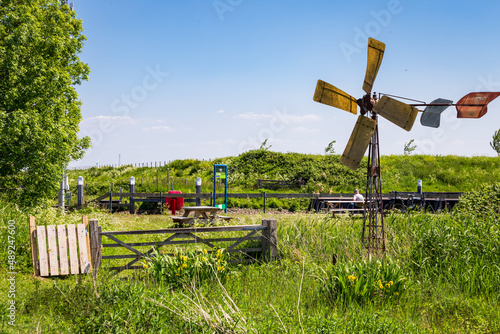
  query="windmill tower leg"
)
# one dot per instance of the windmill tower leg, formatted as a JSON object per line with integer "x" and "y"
{"x": 373, "y": 222}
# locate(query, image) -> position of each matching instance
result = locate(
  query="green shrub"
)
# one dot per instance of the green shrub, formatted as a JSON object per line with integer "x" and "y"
{"x": 364, "y": 282}
{"x": 190, "y": 267}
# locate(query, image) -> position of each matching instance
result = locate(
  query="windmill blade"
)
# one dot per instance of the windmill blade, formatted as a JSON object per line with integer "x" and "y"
{"x": 375, "y": 54}
{"x": 399, "y": 113}
{"x": 474, "y": 105}
{"x": 432, "y": 114}
{"x": 358, "y": 142}
{"x": 332, "y": 96}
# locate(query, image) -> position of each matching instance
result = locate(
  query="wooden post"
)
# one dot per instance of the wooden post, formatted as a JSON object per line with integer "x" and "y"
{"x": 34, "y": 255}
{"x": 95, "y": 245}
{"x": 269, "y": 239}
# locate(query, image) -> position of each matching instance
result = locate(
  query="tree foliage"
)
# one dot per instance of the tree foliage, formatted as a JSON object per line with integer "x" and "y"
{"x": 39, "y": 108}
{"x": 495, "y": 143}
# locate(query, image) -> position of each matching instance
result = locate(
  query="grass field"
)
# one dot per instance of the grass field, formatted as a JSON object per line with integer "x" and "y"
{"x": 440, "y": 274}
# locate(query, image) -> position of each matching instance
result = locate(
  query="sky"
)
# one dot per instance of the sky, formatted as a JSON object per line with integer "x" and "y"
{"x": 204, "y": 79}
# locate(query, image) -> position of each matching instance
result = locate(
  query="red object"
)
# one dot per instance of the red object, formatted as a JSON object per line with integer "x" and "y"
{"x": 174, "y": 203}
{"x": 473, "y": 105}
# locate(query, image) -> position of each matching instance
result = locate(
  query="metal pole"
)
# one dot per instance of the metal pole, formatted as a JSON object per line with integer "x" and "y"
{"x": 132, "y": 190}
{"x": 264, "y": 202}
{"x": 80, "y": 191}
{"x": 198, "y": 190}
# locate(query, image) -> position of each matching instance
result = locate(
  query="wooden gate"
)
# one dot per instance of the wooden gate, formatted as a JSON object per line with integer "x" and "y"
{"x": 60, "y": 249}
{"x": 266, "y": 233}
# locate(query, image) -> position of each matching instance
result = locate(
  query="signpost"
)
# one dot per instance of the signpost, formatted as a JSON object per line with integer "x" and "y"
{"x": 220, "y": 173}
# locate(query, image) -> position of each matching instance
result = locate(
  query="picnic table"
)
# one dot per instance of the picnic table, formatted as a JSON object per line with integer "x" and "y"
{"x": 203, "y": 213}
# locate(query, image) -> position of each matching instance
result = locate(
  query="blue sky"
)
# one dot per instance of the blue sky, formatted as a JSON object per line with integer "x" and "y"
{"x": 213, "y": 78}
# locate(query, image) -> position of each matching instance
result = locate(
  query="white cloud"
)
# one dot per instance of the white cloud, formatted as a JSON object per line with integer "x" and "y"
{"x": 219, "y": 111}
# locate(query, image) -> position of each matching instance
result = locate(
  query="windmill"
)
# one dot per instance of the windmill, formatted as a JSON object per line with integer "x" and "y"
{"x": 365, "y": 133}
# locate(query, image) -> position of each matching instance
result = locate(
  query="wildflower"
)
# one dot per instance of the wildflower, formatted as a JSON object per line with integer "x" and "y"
{"x": 380, "y": 285}
{"x": 396, "y": 293}
{"x": 179, "y": 269}
{"x": 178, "y": 274}
{"x": 204, "y": 251}
{"x": 379, "y": 266}
{"x": 221, "y": 268}
{"x": 204, "y": 259}
{"x": 184, "y": 265}
{"x": 144, "y": 265}
{"x": 184, "y": 258}
{"x": 352, "y": 278}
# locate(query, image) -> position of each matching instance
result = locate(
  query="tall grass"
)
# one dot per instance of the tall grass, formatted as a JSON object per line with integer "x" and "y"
{"x": 444, "y": 269}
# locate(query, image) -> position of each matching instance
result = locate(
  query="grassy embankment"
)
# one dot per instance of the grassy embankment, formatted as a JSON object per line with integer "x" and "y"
{"x": 319, "y": 172}
{"x": 440, "y": 274}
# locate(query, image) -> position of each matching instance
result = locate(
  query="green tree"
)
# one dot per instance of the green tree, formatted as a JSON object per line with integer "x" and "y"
{"x": 329, "y": 149}
{"x": 39, "y": 107}
{"x": 495, "y": 143}
{"x": 409, "y": 148}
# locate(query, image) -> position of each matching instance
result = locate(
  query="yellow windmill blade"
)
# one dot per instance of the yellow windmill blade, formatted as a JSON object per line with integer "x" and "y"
{"x": 399, "y": 113}
{"x": 332, "y": 96}
{"x": 358, "y": 142}
{"x": 375, "y": 54}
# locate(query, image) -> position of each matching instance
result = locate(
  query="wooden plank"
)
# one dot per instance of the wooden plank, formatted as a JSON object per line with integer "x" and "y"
{"x": 52, "y": 244}
{"x": 63, "y": 249}
{"x": 161, "y": 243}
{"x": 42, "y": 250}
{"x": 190, "y": 230}
{"x": 82, "y": 246}
{"x": 34, "y": 255}
{"x": 121, "y": 243}
{"x": 73, "y": 250}
{"x": 241, "y": 240}
{"x": 85, "y": 222}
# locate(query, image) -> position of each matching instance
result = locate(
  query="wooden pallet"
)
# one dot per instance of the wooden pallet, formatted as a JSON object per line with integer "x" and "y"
{"x": 60, "y": 249}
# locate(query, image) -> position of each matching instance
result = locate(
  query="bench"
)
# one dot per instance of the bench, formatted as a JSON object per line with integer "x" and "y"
{"x": 336, "y": 206}
{"x": 181, "y": 220}
{"x": 225, "y": 218}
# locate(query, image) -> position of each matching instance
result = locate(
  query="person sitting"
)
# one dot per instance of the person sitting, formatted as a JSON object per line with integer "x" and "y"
{"x": 358, "y": 200}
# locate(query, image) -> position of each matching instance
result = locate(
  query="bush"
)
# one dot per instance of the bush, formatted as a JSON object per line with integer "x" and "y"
{"x": 185, "y": 269}
{"x": 364, "y": 282}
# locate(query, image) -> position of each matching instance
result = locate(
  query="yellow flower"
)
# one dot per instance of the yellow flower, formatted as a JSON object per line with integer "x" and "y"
{"x": 391, "y": 283}
{"x": 179, "y": 269}
{"x": 204, "y": 251}
{"x": 380, "y": 285}
{"x": 218, "y": 261}
{"x": 379, "y": 266}
{"x": 184, "y": 258}
{"x": 184, "y": 265}
{"x": 396, "y": 293}
{"x": 178, "y": 274}
{"x": 204, "y": 259}
{"x": 221, "y": 268}
{"x": 352, "y": 278}
{"x": 144, "y": 265}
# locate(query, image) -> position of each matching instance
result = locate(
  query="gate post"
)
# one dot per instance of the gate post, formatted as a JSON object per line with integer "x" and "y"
{"x": 95, "y": 245}
{"x": 270, "y": 239}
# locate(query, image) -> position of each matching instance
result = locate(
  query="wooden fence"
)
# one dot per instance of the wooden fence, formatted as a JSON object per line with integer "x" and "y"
{"x": 79, "y": 250}
{"x": 60, "y": 249}
{"x": 266, "y": 233}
